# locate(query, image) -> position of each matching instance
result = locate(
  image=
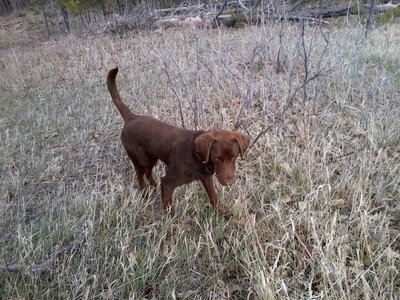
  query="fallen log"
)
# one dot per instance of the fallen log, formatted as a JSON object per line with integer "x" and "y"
{"x": 313, "y": 15}
{"x": 181, "y": 10}
{"x": 204, "y": 16}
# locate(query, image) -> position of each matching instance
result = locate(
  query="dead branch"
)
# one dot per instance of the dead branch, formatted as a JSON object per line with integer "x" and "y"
{"x": 370, "y": 17}
{"x": 307, "y": 79}
{"x": 207, "y": 15}
{"x": 178, "y": 96}
{"x": 216, "y": 18}
{"x": 181, "y": 10}
{"x": 250, "y": 92}
{"x": 57, "y": 255}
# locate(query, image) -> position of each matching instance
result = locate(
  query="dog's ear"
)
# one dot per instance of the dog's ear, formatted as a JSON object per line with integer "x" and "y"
{"x": 203, "y": 145}
{"x": 243, "y": 140}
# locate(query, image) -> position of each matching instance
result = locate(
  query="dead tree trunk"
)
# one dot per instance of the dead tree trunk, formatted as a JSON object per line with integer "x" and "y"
{"x": 370, "y": 20}
{"x": 65, "y": 16}
{"x": 45, "y": 19}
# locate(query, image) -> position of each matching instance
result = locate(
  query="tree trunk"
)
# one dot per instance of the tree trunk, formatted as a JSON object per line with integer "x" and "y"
{"x": 370, "y": 17}
{"x": 65, "y": 16}
{"x": 45, "y": 19}
{"x": 5, "y": 7}
{"x": 18, "y": 4}
{"x": 104, "y": 10}
{"x": 55, "y": 13}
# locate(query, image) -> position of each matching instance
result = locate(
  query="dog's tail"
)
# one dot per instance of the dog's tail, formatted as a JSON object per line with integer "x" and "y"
{"x": 126, "y": 113}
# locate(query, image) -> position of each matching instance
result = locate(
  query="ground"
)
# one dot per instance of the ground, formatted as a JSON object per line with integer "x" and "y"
{"x": 316, "y": 204}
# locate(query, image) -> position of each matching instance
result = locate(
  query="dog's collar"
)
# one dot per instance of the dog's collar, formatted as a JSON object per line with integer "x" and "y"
{"x": 207, "y": 167}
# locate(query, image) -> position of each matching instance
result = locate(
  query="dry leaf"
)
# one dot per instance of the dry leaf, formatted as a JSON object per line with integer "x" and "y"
{"x": 391, "y": 254}
{"x": 275, "y": 185}
{"x": 239, "y": 222}
{"x": 286, "y": 168}
{"x": 7, "y": 197}
{"x": 166, "y": 247}
{"x": 303, "y": 205}
{"x": 286, "y": 199}
{"x": 226, "y": 246}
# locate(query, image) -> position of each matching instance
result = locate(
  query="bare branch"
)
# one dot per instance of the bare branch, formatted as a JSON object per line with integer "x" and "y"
{"x": 216, "y": 20}
{"x": 250, "y": 92}
{"x": 57, "y": 255}
{"x": 303, "y": 86}
{"x": 176, "y": 94}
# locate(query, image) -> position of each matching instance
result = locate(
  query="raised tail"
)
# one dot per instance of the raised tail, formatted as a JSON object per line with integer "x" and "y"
{"x": 124, "y": 110}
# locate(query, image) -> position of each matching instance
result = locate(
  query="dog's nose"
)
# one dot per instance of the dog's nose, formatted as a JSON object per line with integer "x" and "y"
{"x": 228, "y": 181}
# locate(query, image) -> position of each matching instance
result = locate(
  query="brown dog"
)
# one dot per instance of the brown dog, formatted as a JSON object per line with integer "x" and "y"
{"x": 189, "y": 155}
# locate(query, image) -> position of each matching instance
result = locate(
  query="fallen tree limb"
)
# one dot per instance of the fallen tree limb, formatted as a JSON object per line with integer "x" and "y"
{"x": 216, "y": 18}
{"x": 330, "y": 12}
{"x": 310, "y": 15}
{"x": 180, "y": 10}
{"x": 384, "y": 7}
{"x": 207, "y": 16}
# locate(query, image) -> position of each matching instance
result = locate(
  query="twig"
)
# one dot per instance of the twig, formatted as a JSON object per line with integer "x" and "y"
{"x": 176, "y": 94}
{"x": 215, "y": 77}
{"x": 296, "y": 5}
{"x": 250, "y": 91}
{"x": 325, "y": 48}
{"x": 305, "y": 57}
{"x": 59, "y": 254}
{"x": 278, "y": 57}
{"x": 296, "y": 235}
{"x": 242, "y": 5}
{"x": 256, "y": 4}
{"x": 196, "y": 110}
{"x": 265, "y": 130}
{"x": 234, "y": 75}
{"x": 216, "y": 21}
{"x": 315, "y": 76}
{"x": 307, "y": 79}
{"x": 184, "y": 81}
{"x": 357, "y": 279}
{"x": 165, "y": 69}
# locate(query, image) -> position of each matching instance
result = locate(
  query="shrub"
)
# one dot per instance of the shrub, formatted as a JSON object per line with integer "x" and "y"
{"x": 389, "y": 16}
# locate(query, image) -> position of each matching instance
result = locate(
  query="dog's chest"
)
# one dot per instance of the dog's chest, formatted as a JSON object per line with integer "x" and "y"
{"x": 199, "y": 170}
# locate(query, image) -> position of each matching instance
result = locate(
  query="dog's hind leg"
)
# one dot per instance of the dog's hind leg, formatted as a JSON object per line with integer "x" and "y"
{"x": 151, "y": 162}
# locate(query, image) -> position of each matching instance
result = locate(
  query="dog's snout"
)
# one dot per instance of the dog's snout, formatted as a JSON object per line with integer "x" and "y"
{"x": 227, "y": 181}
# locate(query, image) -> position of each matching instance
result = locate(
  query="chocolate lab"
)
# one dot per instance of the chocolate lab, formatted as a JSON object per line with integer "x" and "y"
{"x": 188, "y": 154}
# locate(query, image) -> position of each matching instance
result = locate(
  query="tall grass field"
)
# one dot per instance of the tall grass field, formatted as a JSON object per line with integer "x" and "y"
{"x": 316, "y": 205}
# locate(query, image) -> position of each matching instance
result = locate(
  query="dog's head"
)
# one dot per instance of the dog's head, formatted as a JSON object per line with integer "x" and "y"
{"x": 221, "y": 148}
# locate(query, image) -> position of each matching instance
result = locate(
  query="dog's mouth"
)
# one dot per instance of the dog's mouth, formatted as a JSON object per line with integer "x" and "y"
{"x": 226, "y": 181}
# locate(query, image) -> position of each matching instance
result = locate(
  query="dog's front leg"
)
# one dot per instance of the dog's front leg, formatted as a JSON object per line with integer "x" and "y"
{"x": 208, "y": 184}
{"x": 167, "y": 190}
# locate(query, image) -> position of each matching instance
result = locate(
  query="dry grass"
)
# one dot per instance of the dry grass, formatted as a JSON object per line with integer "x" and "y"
{"x": 316, "y": 205}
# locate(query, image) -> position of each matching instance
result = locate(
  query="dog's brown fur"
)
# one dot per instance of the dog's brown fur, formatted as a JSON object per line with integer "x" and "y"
{"x": 189, "y": 155}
